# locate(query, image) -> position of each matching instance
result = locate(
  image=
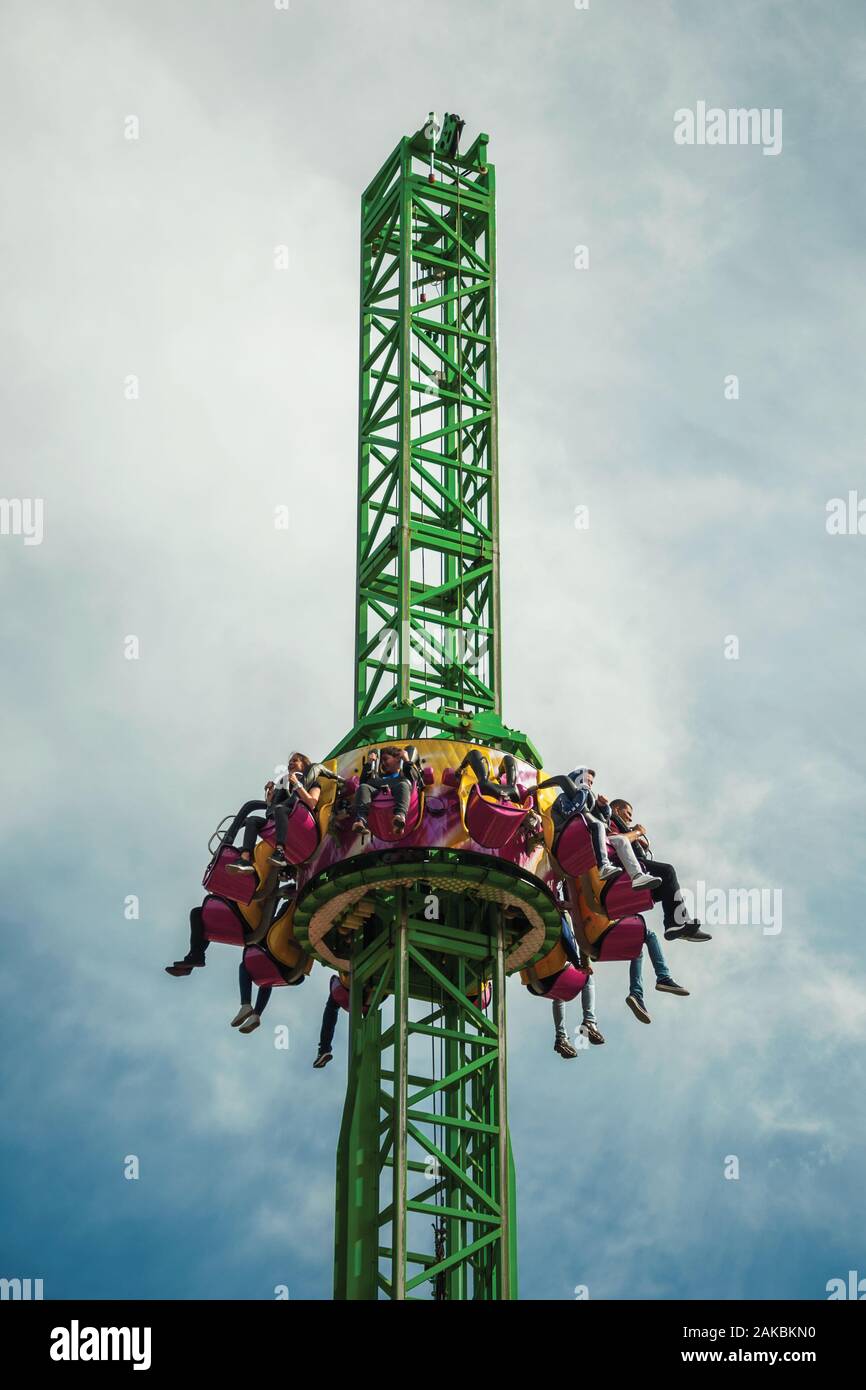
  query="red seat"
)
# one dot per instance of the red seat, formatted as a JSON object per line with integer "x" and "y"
{"x": 302, "y": 835}
{"x": 573, "y": 848}
{"x": 624, "y": 940}
{"x": 619, "y": 899}
{"x": 263, "y": 971}
{"x": 222, "y": 922}
{"x": 382, "y": 814}
{"x": 240, "y": 888}
{"x": 492, "y": 824}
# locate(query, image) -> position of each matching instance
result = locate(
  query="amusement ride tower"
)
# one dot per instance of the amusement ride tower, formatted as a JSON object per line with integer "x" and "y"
{"x": 436, "y": 919}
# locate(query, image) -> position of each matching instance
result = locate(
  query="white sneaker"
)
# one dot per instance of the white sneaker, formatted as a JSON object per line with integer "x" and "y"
{"x": 608, "y": 871}
{"x": 251, "y": 1024}
{"x": 242, "y": 1015}
{"x": 646, "y": 881}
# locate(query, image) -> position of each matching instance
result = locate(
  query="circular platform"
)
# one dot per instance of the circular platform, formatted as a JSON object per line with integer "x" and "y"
{"x": 329, "y": 896}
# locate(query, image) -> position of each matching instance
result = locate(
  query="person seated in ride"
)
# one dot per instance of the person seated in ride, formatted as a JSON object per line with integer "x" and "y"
{"x": 578, "y": 798}
{"x": 281, "y": 797}
{"x": 677, "y": 922}
{"x": 247, "y": 1018}
{"x": 391, "y": 771}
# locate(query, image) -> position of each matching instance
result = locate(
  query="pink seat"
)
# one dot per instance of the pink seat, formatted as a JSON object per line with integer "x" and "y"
{"x": 619, "y": 899}
{"x": 222, "y": 922}
{"x": 573, "y": 848}
{"x": 382, "y": 813}
{"x": 240, "y": 888}
{"x": 623, "y": 941}
{"x": 493, "y": 824}
{"x": 567, "y": 984}
{"x": 261, "y": 969}
{"x": 339, "y": 993}
{"x": 302, "y": 835}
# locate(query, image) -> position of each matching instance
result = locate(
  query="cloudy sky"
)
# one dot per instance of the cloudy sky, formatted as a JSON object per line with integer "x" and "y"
{"x": 154, "y": 258}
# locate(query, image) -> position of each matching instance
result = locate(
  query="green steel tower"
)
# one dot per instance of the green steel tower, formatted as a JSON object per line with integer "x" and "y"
{"x": 426, "y": 935}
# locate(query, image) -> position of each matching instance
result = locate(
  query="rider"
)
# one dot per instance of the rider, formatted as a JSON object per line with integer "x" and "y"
{"x": 295, "y": 785}
{"x": 578, "y": 798}
{"x": 392, "y": 771}
{"x": 676, "y": 919}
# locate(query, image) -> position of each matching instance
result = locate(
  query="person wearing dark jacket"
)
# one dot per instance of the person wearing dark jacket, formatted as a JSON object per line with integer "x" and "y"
{"x": 676, "y": 919}
{"x": 385, "y": 770}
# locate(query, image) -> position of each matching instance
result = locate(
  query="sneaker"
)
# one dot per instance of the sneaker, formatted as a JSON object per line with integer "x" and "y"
{"x": 646, "y": 881}
{"x": 179, "y": 968}
{"x": 398, "y": 825}
{"x": 241, "y": 866}
{"x": 694, "y": 933}
{"x": 565, "y": 1048}
{"x": 608, "y": 871}
{"x": 637, "y": 1007}
{"x": 592, "y": 1031}
{"x": 690, "y": 932}
{"x": 323, "y": 1059}
{"x": 671, "y": 987}
{"x": 360, "y": 827}
{"x": 251, "y": 1024}
{"x": 242, "y": 1015}
{"x": 279, "y": 860}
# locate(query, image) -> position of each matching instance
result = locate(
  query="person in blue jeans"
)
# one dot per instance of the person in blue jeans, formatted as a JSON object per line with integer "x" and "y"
{"x": 665, "y": 983}
{"x": 388, "y": 773}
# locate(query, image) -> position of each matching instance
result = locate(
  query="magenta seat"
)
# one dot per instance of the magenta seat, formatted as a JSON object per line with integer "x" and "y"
{"x": 302, "y": 835}
{"x": 261, "y": 969}
{"x": 222, "y": 922}
{"x": 619, "y": 899}
{"x": 382, "y": 812}
{"x": 339, "y": 993}
{"x": 567, "y": 984}
{"x": 493, "y": 824}
{"x": 623, "y": 941}
{"x": 240, "y": 888}
{"x": 573, "y": 848}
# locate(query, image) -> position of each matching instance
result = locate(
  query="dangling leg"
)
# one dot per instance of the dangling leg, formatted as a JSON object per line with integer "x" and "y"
{"x": 246, "y": 987}
{"x": 635, "y": 989}
{"x": 587, "y": 1000}
{"x": 255, "y": 1017}
{"x": 664, "y": 981}
{"x": 197, "y": 946}
{"x": 562, "y": 1043}
{"x": 326, "y": 1037}
{"x": 253, "y": 826}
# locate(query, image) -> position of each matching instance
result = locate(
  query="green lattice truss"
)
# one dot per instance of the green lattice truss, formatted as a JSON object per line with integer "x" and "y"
{"x": 425, "y": 1177}
{"x": 428, "y": 651}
